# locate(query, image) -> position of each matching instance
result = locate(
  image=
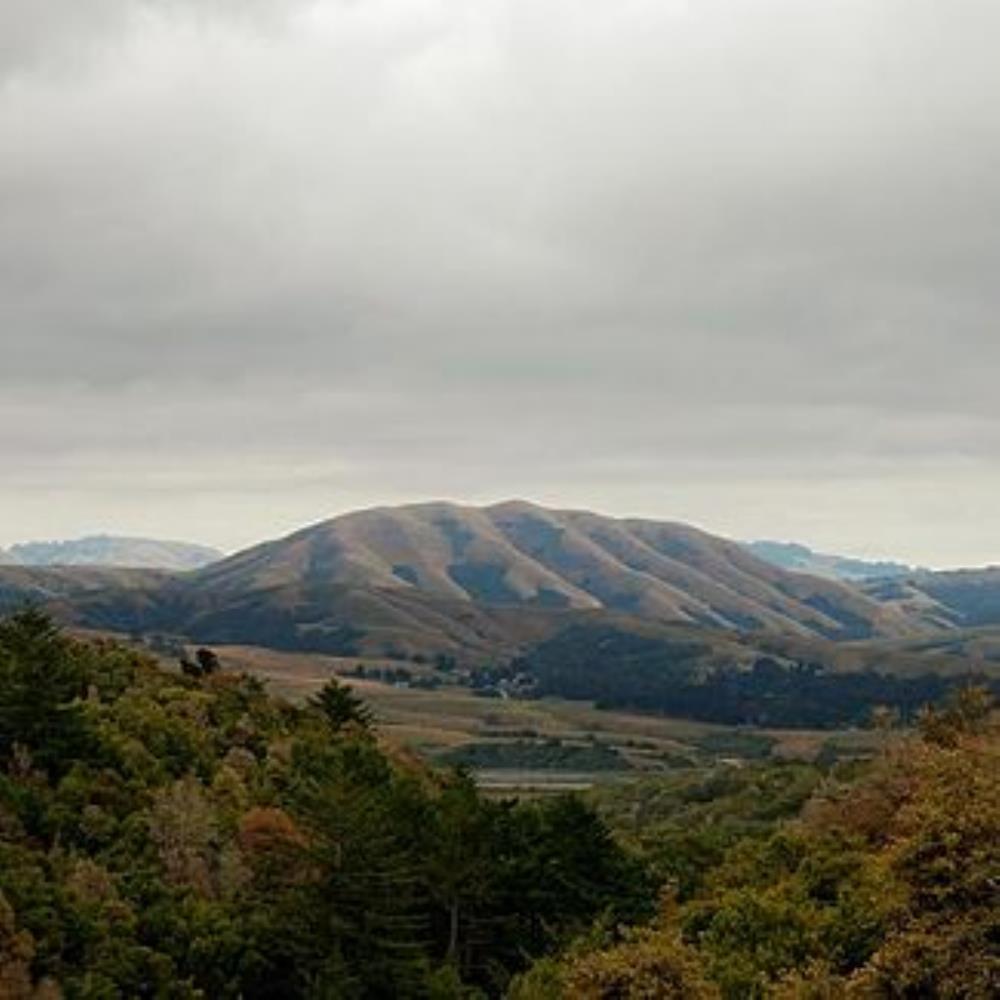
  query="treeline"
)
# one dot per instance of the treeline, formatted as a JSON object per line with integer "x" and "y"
{"x": 618, "y": 669}
{"x": 177, "y": 836}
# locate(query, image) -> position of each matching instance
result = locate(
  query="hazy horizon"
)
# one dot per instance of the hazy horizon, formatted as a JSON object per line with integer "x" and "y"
{"x": 726, "y": 263}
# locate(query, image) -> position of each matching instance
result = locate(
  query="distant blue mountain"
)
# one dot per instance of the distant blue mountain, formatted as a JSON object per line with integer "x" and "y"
{"x": 800, "y": 558}
{"x": 111, "y": 550}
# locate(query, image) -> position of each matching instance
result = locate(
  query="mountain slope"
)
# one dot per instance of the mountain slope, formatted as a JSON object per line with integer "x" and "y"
{"x": 480, "y": 582}
{"x": 965, "y": 597}
{"x": 109, "y": 550}
{"x": 518, "y": 555}
{"x": 67, "y": 589}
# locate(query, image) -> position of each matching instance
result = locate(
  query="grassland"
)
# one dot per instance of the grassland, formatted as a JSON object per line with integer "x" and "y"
{"x": 435, "y": 722}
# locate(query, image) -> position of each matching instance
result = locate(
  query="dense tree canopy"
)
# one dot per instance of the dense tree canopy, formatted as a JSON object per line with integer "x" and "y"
{"x": 886, "y": 885}
{"x": 619, "y": 669}
{"x": 178, "y": 836}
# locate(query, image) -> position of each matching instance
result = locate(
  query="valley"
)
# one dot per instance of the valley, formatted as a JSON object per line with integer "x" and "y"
{"x": 627, "y": 615}
{"x": 449, "y": 717}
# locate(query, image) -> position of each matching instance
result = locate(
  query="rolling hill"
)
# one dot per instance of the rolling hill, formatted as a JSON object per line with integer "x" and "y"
{"x": 628, "y": 613}
{"x": 485, "y": 582}
{"x": 965, "y": 598}
{"x": 519, "y": 555}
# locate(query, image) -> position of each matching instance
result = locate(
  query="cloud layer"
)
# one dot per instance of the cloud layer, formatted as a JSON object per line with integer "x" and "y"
{"x": 726, "y": 261}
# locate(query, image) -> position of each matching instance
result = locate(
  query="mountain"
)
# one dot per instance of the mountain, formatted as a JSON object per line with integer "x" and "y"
{"x": 405, "y": 565}
{"x": 479, "y": 581}
{"x": 965, "y": 598}
{"x": 109, "y": 550}
{"x": 629, "y": 613}
{"x": 801, "y": 559}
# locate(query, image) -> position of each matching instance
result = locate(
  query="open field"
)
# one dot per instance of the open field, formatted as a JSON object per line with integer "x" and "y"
{"x": 451, "y": 717}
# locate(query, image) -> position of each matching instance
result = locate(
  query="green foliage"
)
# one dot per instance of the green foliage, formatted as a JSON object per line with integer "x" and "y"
{"x": 165, "y": 835}
{"x": 884, "y": 886}
{"x": 188, "y": 837}
{"x": 778, "y": 905}
{"x": 537, "y": 755}
{"x": 683, "y": 824}
{"x": 620, "y": 669}
{"x": 42, "y": 685}
{"x": 340, "y": 706}
{"x": 966, "y": 712}
{"x": 648, "y": 963}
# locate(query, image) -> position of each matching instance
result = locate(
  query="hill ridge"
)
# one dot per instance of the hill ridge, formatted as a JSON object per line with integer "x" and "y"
{"x": 517, "y": 553}
{"x": 442, "y": 577}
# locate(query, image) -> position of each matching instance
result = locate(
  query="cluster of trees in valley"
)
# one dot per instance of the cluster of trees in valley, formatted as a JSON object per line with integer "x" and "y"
{"x": 621, "y": 669}
{"x": 182, "y": 834}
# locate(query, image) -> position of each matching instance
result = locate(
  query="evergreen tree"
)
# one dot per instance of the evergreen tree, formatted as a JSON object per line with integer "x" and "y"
{"x": 340, "y": 706}
{"x": 42, "y": 683}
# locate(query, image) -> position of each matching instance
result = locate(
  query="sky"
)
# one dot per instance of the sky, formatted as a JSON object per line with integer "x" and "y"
{"x": 731, "y": 262}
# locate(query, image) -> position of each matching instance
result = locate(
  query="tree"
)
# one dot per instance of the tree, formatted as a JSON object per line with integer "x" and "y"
{"x": 361, "y": 916}
{"x": 966, "y": 712}
{"x": 42, "y": 682}
{"x": 649, "y": 963}
{"x": 204, "y": 664}
{"x": 208, "y": 661}
{"x": 340, "y": 706}
{"x": 460, "y": 858}
{"x": 17, "y": 949}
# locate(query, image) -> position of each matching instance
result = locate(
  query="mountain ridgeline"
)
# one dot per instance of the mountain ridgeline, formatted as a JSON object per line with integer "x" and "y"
{"x": 444, "y": 560}
{"x": 631, "y": 613}
{"x": 486, "y": 580}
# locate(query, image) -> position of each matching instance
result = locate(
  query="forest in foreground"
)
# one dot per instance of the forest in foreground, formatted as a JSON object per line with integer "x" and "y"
{"x": 184, "y": 834}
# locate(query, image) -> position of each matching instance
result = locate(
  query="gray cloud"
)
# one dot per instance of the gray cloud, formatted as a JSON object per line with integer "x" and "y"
{"x": 729, "y": 260}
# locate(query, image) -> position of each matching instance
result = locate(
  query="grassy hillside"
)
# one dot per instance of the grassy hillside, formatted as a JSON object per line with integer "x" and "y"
{"x": 618, "y": 661}
{"x": 966, "y": 598}
{"x": 68, "y": 588}
{"x": 479, "y": 583}
{"x": 519, "y": 555}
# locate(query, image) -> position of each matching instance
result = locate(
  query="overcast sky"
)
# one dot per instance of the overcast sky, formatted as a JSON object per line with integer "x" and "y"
{"x": 735, "y": 262}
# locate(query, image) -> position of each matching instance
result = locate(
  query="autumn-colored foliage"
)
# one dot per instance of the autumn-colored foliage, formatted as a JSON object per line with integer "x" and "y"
{"x": 887, "y": 886}
{"x": 182, "y": 835}
{"x": 266, "y": 831}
